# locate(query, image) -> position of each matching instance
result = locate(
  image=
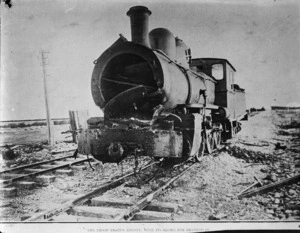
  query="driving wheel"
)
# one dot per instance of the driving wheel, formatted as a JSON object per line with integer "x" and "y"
{"x": 200, "y": 154}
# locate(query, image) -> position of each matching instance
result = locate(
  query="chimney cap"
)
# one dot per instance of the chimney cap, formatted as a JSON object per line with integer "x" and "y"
{"x": 136, "y": 9}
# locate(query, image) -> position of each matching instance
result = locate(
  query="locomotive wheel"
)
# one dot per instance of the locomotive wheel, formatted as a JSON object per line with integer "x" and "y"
{"x": 187, "y": 147}
{"x": 186, "y": 151}
{"x": 217, "y": 139}
{"x": 200, "y": 154}
{"x": 210, "y": 143}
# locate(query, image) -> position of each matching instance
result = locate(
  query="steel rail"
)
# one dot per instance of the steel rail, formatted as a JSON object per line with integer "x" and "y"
{"x": 142, "y": 203}
{"x": 9, "y": 181}
{"x": 269, "y": 187}
{"x": 46, "y": 215}
{"x": 34, "y": 164}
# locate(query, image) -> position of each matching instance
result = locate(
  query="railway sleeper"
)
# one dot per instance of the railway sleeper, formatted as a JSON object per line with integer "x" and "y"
{"x": 160, "y": 207}
{"x": 32, "y": 170}
{"x": 152, "y": 215}
{"x": 46, "y": 166}
{"x": 73, "y": 218}
{"x": 63, "y": 162}
{"x": 68, "y": 172}
{"x": 93, "y": 211}
{"x": 8, "y": 192}
{"x": 10, "y": 176}
{"x": 26, "y": 184}
{"x": 78, "y": 167}
{"x": 45, "y": 179}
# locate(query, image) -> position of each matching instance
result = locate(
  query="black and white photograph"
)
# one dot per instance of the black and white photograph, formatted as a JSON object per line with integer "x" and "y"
{"x": 149, "y": 116}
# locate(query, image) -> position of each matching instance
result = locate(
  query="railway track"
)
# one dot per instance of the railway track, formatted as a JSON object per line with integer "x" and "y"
{"x": 98, "y": 205}
{"x": 29, "y": 175}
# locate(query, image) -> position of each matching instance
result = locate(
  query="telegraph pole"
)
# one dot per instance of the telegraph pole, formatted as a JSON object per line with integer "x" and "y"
{"x": 49, "y": 125}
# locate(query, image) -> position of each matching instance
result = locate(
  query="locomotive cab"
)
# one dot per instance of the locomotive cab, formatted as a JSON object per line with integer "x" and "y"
{"x": 228, "y": 94}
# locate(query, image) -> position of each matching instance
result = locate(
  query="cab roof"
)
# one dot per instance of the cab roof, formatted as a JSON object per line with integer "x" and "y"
{"x": 203, "y": 61}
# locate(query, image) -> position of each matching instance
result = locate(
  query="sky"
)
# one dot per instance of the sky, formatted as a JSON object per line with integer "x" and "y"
{"x": 260, "y": 39}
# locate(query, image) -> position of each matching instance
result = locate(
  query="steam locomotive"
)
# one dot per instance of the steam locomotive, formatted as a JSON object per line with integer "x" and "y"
{"x": 157, "y": 100}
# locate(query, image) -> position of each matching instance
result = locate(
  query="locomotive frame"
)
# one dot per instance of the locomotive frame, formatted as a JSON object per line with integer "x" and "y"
{"x": 157, "y": 100}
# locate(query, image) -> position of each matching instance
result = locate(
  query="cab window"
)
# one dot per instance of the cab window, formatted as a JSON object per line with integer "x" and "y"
{"x": 230, "y": 78}
{"x": 217, "y": 71}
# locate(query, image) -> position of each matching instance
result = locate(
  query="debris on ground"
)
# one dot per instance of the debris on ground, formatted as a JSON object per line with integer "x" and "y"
{"x": 19, "y": 155}
{"x": 8, "y": 153}
{"x": 209, "y": 191}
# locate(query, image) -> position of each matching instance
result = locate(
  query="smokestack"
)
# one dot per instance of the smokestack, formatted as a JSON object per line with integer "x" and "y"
{"x": 139, "y": 16}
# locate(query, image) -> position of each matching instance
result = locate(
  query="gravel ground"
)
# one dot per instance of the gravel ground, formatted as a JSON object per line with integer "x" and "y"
{"x": 207, "y": 191}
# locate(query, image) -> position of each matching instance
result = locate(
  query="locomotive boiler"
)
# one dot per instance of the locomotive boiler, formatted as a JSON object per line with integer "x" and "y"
{"x": 157, "y": 100}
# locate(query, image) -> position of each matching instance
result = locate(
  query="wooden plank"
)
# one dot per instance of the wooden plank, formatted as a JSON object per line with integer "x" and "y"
{"x": 78, "y": 167}
{"x": 78, "y": 120}
{"x": 26, "y": 184}
{"x": 162, "y": 207}
{"x": 272, "y": 186}
{"x": 100, "y": 201}
{"x": 45, "y": 179}
{"x": 253, "y": 144}
{"x": 62, "y": 162}
{"x": 95, "y": 212}
{"x": 8, "y": 192}
{"x": 9, "y": 176}
{"x": 73, "y": 126}
{"x": 117, "y": 203}
{"x": 73, "y": 218}
{"x": 82, "y": 117}
{"x": 48, "y": 166}
{"x": 30, "y": 170}
{"x": 65, "y": 172}
{"x": 152, "y": 215}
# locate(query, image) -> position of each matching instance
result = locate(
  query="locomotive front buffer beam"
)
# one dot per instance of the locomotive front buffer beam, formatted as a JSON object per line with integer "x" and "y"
{"x": 113, "y": 145}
